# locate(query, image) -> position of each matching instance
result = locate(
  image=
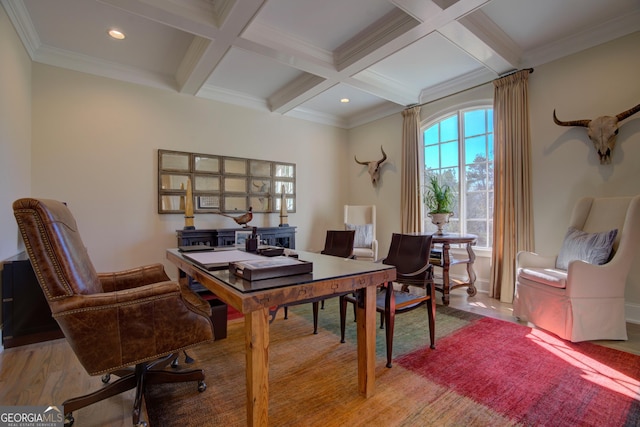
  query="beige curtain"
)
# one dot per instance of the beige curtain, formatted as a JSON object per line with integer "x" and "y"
{"x": 411, "y": 195}
{"x": 512, "y": 217}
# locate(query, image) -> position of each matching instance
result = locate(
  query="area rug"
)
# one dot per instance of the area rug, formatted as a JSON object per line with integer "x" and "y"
{"x": 483, "y": 372}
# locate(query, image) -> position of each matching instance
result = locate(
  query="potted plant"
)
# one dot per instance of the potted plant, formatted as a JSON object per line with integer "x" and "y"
{"x": 439, "y": 199}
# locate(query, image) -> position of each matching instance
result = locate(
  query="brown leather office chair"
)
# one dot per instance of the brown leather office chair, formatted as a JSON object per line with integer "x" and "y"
{"x": 130, "y": 323}
{"x": 410, "y": 255}
{"x": 338, "y": 243}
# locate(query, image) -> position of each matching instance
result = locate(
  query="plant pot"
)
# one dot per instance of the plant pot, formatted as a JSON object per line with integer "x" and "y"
{"x": 439, "y": 220}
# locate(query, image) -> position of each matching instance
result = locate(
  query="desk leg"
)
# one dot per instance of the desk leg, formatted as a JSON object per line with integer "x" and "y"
{"x": 256, "y": 325}
{"x": 366, "y": 324}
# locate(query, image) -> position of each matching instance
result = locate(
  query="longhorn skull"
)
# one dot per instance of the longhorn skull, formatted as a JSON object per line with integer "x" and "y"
{"x": 374, "y": 167}
{"x": 602, "y": 131}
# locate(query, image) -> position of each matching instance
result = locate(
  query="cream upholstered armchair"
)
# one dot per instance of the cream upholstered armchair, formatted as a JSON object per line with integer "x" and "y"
{"x": 579, "y": 295}
{"x": 362, "y": 219}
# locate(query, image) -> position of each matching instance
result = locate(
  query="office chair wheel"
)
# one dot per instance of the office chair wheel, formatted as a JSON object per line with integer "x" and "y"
{"x": 106, "y": 378}
{"x": 140, "y": 424}
{"x": 202, "y": 386}
{"x": 68, "y": 419}
{"x": 471, "y": 292}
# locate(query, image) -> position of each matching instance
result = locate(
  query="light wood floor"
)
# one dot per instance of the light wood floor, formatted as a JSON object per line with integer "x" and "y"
{"x": 46, "y": 373}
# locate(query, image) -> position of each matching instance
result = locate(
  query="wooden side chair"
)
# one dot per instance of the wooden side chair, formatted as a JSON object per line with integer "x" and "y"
{"x": 410, "y": 255}
{"x": 338, "y": 243}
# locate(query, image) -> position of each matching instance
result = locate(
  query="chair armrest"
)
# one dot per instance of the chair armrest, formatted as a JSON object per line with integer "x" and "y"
{"x": 534, "y": 260}
{"x": 112, "y": 330}
{"x": 108, "y": 300}
{"x": 586, "y": 280}
{"x": 414, "y": 273}
{"x": 133, "y": 278}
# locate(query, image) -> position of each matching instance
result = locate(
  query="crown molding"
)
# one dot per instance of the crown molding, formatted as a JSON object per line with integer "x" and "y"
{"x": 383, "y": 87}
{"x": 90, "y": 65}
{"x": 458, "y": 84}
{"x": 19, "y": 17}
{"x": 374, "y": 114}
{"x": 228, "y": 96}
{"x": 603, "y": 33}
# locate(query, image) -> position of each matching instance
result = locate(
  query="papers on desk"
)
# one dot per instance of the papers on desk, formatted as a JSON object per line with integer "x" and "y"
{"x": 220, "y": 258}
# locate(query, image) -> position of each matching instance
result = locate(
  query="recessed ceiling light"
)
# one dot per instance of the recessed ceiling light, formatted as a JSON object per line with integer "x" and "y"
{"x": 344, "y": 100}
{"x": 116, "y": 34}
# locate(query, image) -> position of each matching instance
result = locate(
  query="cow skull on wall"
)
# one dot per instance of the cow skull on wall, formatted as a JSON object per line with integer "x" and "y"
{"x": 602, "y": 131}
{"x": 374, "y": 167}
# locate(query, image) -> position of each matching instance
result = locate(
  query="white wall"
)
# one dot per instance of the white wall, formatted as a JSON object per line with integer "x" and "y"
{"x": 599, "y": 81}
{"x": 95, "y": 143}
{"x": 364, "y": 143}
{"x": 15, "y": 132}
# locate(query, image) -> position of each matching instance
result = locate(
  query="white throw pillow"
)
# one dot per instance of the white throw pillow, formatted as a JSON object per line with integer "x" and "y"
{"x": 594, "y": 248}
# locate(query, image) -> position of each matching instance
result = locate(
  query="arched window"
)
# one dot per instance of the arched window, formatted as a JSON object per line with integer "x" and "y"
{"x": 458, "y": 149}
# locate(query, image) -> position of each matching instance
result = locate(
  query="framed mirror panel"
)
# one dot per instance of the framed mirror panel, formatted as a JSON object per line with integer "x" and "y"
{"x": 223, "y": 184}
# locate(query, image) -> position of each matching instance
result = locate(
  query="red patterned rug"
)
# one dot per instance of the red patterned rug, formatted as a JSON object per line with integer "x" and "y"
{"x": 534, "y": 377}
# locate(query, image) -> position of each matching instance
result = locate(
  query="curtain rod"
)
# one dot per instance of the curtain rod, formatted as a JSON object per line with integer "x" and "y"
{"x": 469, "y": 88}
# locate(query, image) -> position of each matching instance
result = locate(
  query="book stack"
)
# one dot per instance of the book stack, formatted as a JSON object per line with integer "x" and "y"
{"x": 435, "y": 257}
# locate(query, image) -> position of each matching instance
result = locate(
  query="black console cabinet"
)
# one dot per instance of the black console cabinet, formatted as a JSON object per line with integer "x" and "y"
{"x": 275, "y": 236}
{"x": 26, "y": 317}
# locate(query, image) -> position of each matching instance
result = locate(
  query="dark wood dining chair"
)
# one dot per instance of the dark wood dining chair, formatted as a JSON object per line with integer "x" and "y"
{"x": 338, "y": 243}
{"x": 410, "y": 255}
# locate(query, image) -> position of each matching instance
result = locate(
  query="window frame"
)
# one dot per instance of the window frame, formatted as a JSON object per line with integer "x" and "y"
{"x": 461, "y": 202}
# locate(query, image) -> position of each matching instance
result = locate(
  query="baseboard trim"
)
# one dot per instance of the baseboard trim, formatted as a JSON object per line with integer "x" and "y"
{"x": 632, "y": 312}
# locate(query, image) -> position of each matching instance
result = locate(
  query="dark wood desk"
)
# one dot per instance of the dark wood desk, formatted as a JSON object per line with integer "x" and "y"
{"x": 446, "y": 261}
{"x": 331, "y": 276}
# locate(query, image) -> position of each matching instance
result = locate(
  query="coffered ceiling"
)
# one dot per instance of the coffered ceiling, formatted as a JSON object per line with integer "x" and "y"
{"x": 299, "y": 58}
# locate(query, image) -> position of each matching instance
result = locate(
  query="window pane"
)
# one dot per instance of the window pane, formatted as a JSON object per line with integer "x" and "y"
{"x": 490, "y": 120}
{"x": 474, "y": 123}
{"x": 490, "y": 142}
{"x": 476, "y": 205}
{"x": 449, "y": 129}
{"x": 476, "y": 177}
{"x": 449, "y": 154}
{"x": 480, "y": 229}
{"x": 431, "y": 135}
{"x": 490, "y": 203}
{"x": 475, "y": 149}
{"x": 432, "y": 157}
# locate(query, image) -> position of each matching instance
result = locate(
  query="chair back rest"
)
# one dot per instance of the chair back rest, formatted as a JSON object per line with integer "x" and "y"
{"x": 339, "y": 243}
{"x": 58, "y": 256}
{"x": 357, "y": 215}
{"x": 594, "y": 215}
{"x": 408, "y": 252}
